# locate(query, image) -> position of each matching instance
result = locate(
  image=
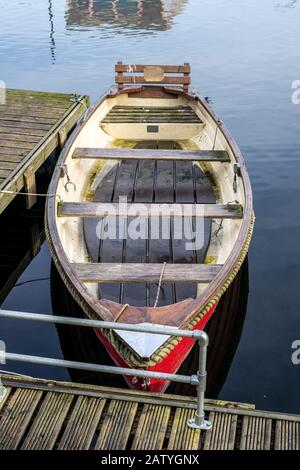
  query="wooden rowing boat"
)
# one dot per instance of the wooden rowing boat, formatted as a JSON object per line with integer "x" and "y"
{"x": 149, "y": 214}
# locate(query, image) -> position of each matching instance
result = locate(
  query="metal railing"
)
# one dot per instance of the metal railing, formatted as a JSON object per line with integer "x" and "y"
{"x": 198, "y": 380}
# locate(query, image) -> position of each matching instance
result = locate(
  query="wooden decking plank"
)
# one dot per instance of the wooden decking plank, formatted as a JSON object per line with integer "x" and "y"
{"x": 7, "y": 112}
{"x": 19, "y": 131}
{"x": 152, "y": 427}
{"x": 17, "y": 137}
{"x": 182, "y": 437}
{"x": 95, "y": 209}
{"x": 20, "y": 126}
{"x": 4, "y": 173}
{"x": 145, "y": 272}
{"x": 222, "y": 434}
{"x": 48, "y": 422}
{"x": 28, "y": 120}
{"x": 154, "y": 154}
{"x": 82, "y": 424}
{"x": 287, "y": 435}
{"x": 7, "y": 165}
{"x": 256, "y": 433}
{"x": 8, "y": 151}
{"x": 16, "y": 417}
{"x": 16, "y": 144}
{"x": 117, "y": 424}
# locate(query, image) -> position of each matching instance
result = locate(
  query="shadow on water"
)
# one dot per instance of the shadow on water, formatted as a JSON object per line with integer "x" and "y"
{"x": 224, "y": 330}
{"x": 24, "y": 234}
{"x": 151, "y": 15}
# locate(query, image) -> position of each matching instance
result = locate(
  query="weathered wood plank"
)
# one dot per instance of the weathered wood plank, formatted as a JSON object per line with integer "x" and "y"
{"x": 16, "y": 417}
{"x": 19, "y": 131}
{"x": 222, "y": 434}
{"x": 15, "y": 144}
{"x": 82, "y": 424}
{"x": 166, "y": 80}
{"x": 6, "y": 112}
{"x": 151, "y": 120}
{"x": 15, "y": 137}
{"x": 145, "y": 272}
{"x": 7, "y": 151}
{"x": 21, "y": 126}
{"x": 182, "y": 437}
{"x": 139, "y": 68}
{"x": 95, "y": 209}
{"x": 4, "y": 173}
{"x": 27, "y": 119}
{"x": 7, "y": 165}
{"x": 256, "y": 433}
{"x": 139, "y": 109}
{"x": 152, "y": 154}
{"x": 30, "y": 186}
{"x": 48, "y": 422}
{"x": 152, "y": 427}
{"x": 287, "y": 435}
{"x": 117, "y": 425}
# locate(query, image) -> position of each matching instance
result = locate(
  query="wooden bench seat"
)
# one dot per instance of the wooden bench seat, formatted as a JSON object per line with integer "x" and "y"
{"x": 145, "y": 272}
{"x": 152, "y": 154}
{"x": 97, "y": 210}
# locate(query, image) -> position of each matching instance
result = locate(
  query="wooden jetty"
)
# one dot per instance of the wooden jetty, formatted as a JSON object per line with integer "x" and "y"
{"x": 32, "y": 126}
{"x": 41, "y": 414}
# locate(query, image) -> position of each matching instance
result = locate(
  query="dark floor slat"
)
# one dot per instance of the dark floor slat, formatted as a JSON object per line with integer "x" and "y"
{"x": 183, "y": 247}
{"x": 161, "y": 248}
{"x": 136, "y": 250}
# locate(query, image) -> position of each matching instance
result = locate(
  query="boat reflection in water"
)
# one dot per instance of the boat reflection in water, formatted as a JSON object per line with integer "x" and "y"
{"x": 224, "y": 330}
{"x": 155, "y": 15}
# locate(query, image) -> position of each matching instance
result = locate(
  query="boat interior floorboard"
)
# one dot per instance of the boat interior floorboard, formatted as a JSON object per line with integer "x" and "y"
{"x": 150, "y": 181}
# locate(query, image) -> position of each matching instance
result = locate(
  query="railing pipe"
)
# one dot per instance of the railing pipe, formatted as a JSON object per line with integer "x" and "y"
{"x": 198, "y": 380}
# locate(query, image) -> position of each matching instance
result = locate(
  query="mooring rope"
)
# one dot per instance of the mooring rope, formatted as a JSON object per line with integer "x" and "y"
{"x": 121, "y": 311}
{"x": 159, "y": 284}
{"x": 8, "y": 191}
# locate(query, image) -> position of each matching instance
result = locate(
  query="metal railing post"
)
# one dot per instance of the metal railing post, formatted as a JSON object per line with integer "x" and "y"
{"x": 3, "y": 390}
{"x": 199, "y": 421}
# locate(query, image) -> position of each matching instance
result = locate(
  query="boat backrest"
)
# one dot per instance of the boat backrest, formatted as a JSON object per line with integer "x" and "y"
{"x": 175, "y": 75}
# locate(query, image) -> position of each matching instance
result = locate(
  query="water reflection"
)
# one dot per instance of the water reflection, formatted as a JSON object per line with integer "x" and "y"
{"x": 290, "y": 4}
{"x": 23, "y": 236}
{"x": 52, "y": 40}
{"x": 224, "y": 330}
{"x": 153, "y": 15}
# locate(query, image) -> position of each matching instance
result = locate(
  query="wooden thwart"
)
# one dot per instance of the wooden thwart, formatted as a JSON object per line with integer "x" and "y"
{"x": 145, "y": 272}
{"x": 97, "y": 210}
{"x": 152, "y": 154}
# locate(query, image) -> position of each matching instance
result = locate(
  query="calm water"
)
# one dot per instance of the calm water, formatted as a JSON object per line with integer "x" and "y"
{"x": 244, "y": 56}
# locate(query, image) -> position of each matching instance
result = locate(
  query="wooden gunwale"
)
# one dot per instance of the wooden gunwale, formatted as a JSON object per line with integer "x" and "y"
{"x": 104, "y": 308}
